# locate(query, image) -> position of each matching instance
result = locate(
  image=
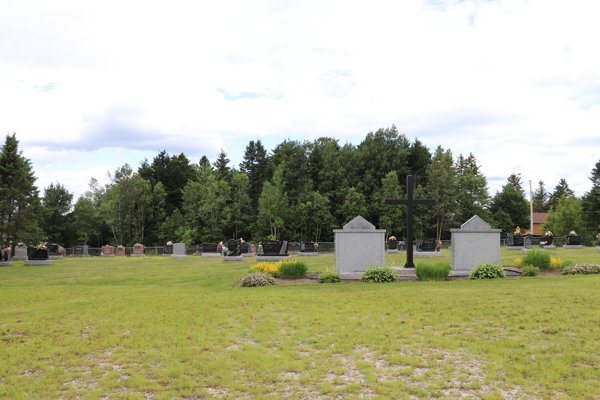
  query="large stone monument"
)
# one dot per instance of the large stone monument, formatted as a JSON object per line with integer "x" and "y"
{"x": 179, "y": 251}
{"x": 234, "y": 250}
{"x": 38, "y": 256}
{"x": 358, "y": 246}
{"x": 473, "y": 244}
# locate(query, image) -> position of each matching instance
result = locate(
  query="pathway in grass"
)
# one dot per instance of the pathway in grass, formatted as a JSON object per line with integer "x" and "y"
{"x": 161, "y": 329}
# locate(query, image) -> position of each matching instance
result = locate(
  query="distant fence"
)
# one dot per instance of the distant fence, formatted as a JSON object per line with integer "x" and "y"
{"x": 294, "y": 247}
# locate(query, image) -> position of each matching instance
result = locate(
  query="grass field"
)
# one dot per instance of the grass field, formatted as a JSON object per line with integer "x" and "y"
{"x": 156, "y": 328}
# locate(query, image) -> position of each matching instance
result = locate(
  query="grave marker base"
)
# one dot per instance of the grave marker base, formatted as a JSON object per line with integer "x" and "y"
{"x": 273, "y": 258}
{"x": 38, "y": 262}
{"x": 233, "y": 258}
{"x": 214, "y": 255}
{"x": 5, "y": 263}
{"x": 179, "y": 256}
{"x": 55, "y": 257}
{"x": 428, "y": 254}
{"x": 104, "y": 255}
{"x": 308, "y": 254}
{"x": 572, "y": 246}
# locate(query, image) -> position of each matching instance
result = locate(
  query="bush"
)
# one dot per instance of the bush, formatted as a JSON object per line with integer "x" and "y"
{"x": 292, "y": 270}
{"x": 271, "y": 268}
{"x": 378, "y": 275}
{"x": 530, "y": 270}
{"x": 537, "y": 258}
{"x": 329, "y": 277}
{"x": 257, "y": 279}
{"x": 567, "y": 263}
{"x": 582, "y": 268}
{"x": 487, "y": 271}
{"x": 433, "y": 272}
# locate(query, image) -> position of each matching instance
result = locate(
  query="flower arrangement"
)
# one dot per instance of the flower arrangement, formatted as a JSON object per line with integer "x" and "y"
{"x": 138, "y": 245}
{"x": 392, "y": 238}
{"x": 21, "y": 244}
{"x": 224, "y": 249}
{"x": 572, "y": 233}
{"x": 554, "y": 263}
{"x": 549, "y": 233}
{"x": 543, "y": 242}
{"x": 518, "y": 262}
{"x": 169, "y": 243}
{"x": 41, "y": 246}
{"x": 517, "y": 231}
{"x": 120, "y": 247}
{"x": 242, "y": 240}
{"x": 438, "y": 243}
{"x": 7, "y": 249}
{"x": 316, "y": 245}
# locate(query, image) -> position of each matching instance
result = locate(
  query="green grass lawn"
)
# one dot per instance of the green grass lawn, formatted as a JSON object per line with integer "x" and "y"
{"x": 157, "y": 328}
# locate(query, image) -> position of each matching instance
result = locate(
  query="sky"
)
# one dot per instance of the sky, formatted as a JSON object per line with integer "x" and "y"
{"x": 90, "y": 86}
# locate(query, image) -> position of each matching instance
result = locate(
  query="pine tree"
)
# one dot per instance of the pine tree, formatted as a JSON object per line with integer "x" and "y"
{"x": 19, "y": 201}
{"x": 56, "y": 206}
{"x": 561, "y": 189}
{"x": 472, "y": 187}
{"x": 509, "y": 207}
{"x": 442, "y": 186}
{"x": 221, "y": 165}
{"x": 540, "y": 198}
{"x": 591, "y": 203}
{"x": 255, "y": 166}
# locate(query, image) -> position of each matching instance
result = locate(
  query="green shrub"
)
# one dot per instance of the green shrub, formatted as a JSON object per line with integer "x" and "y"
{"x": 567, "y": 263}
{"x": 537, "y": 258}
{"x": 329, "y": 277}
{"x": 433, "y": 272}
{"x": 292, "y": 270}
{"x": 378, "y": 275}
{"x": 530, "y": 270}
{"x": 582, "y": 268}
{"x": 487, "y": 271}
{"x": 257, "y": 279}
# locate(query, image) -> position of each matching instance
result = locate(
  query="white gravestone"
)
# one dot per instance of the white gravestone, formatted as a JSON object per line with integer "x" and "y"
{"x": 20, "y": 254}
{"x": 179, "y": 250}
{"x": 358, "y": 246}
{"x": 473, "y": 244}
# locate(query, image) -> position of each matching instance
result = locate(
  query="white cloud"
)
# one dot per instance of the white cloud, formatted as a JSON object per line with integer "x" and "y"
{"x": 510, "y": 80}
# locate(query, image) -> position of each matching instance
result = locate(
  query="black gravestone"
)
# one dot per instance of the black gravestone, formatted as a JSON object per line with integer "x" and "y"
{"x": 573, "y": 240}
{"x": 209, "y": 247}
{"x": 245, "y": 248}
{"x": 192, "y": 248}
{"x": 393, "y": 244}
{"x": 427, "y": 245}
{"x": 5, "y": 255}
{"x": 274, "y": 247}
{"x": 234, "y": 248}
{"x": 546, "y": 240}
{"x": 168, "y": 250}
{"x": 308, "y": 247}
{"x": 514, "y": 240}
{"x": 78, "y": 250}
{"x": 53, "y": 249}
{"x": 34, "y": 253}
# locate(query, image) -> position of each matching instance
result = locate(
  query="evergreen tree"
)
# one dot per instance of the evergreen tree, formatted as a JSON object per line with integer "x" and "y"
{"x": 204, "y": 163}
{"x": 442, "y": 186}
{"x": 418, "y": 160}
{"x": 591, "y": 203}
{"x": 238, "y": 211}
{"x": 473, "y": 196}
{"x": 254, "y": 165}
{"x": 353, "y": 206}
{"x": 293, "y": 156}
{"x": 221, "y": 166}
{"x": 509, "y": 207}
{"x": 514, "y": 180}
{"x": 19, "y": 202}
{"x": 86, "y": 220}
{"x": 393, "y": 218}
{"x": 540, "y": 198}
{"x": 561, "y": 189}
{"x": 56, "y": 207}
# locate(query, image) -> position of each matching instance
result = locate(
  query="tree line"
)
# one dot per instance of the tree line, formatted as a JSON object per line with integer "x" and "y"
{"x": 299, "y": 191}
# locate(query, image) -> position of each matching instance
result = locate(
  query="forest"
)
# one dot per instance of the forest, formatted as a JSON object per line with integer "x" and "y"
{"x": 298, "y": 191}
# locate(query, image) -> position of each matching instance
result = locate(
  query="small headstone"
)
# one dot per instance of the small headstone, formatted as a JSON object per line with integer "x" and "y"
{"x": 137, "y": 251}
{"x": 120, "y": 252}
{"x": 210, "y": 250}
{"x": 514, "y": 242}
{"x": 20, "y": 253}
{"x": 427, "y": 245}
{"x": 107, "y": 251}
{"x": 54, "y": 251}
{"x": 308, "y": 249}
{"x": 37, "y": 256}
{"x": 473, "y": 244}
{"x": 80, "y": 251}
{"x": 4, "y": 262}
{"x": 179, "y": 250}
{"x": 168, "y": 250}
{"x": 358, "y": 246}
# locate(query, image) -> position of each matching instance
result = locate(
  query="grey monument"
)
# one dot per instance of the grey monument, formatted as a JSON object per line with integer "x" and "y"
{"x": 474, "y": 243}
{"x": 358, "y": 246}
{"x": 179, "y": 251}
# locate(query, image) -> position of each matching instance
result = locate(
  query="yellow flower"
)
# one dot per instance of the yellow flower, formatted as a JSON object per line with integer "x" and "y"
{"x": 554, "y": 263}
{"x": 518, "y": 261}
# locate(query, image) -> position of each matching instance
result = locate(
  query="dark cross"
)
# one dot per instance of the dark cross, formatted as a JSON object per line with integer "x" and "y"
{"x": 409, "y": 217}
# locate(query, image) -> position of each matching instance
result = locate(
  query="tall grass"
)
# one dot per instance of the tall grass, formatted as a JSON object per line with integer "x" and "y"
{"x": 292, "y": 270}
{"x": 537, "y": 258}
{"x": 433, "y": 272}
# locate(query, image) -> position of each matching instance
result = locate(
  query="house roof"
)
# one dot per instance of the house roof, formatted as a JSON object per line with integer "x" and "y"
{"x": 539, "y": 218}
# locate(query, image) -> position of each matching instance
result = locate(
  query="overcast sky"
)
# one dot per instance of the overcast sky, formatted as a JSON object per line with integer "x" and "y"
{"x": 90, "y": 86}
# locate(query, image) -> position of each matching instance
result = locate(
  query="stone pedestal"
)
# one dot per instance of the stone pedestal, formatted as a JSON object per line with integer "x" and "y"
{"x": 233, "y": 258}
{"x": 38, "y": 262}
{"x": 358, "y": 246}
{"x": 179, "y": 251}
{"x": 211, "y": 255}
{"x": 392, "y": 251}
{"x": 5, "y": 263}
{"x": 473, "y": 244}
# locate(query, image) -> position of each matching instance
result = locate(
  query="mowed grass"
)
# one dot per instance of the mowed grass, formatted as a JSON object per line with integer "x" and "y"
{"x": 157, "y": 328}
